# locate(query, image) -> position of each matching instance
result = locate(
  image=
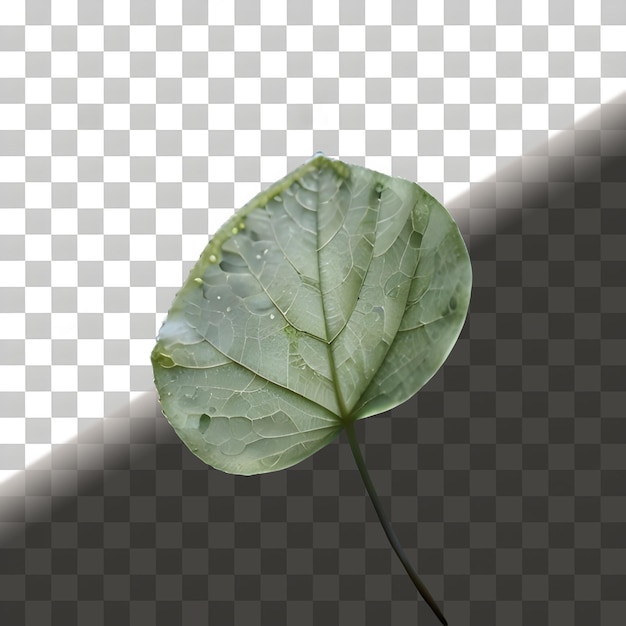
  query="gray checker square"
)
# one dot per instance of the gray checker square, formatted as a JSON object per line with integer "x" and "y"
{"x": 504, "y": 478}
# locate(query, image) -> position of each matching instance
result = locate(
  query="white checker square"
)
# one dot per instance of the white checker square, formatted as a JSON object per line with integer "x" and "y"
{"x": 404, "y": 91}
{"x": 12, "y": 64}
{"x": 90, "y": 195}
{"x": 221, "y": 64}
{"x": 116, "y": 222}
{"x": 244, "y": 191}
{"x": 90, "y": 38}
{"x": 116, "y": 378}
{"x": 39, "y": 299}
{"x": 90, "y": 404}
{"x": 142, "y": 91}
{"x": 37, "y": 90}
{"x": 63, "y": 326}
{"x": 456, "y": 143}
{"x": 13, "y": 116}
{"x": 431, "y": 13}
{"x": 456, "y": 38}
{"x": 38, "y": 351}
{"x": 221, "y": 169}
{"x": 247, "y": 143}
{"x": 64, "y": 64}
{"x": 509, "y": 90}
{"x": 143, "y": 299}
{"x": 63, "y": 429}
{"x": 456, "y": 90}
{"x": 535, "y": 13}
{"x": 217, "y": 217}
{"x": 195, "y": 91}
{"x": 483, "y": 117}
{"x": 561, "y": 38}
{"x": 535, "y": 64}
{"x": 142, "y": 248}
{"x": 482, "y": 64}
{"x": 378, "y": 64}
{"x": 247, "y": 38}
{"x": 509, "y": 143}
{"x": 430, "y": 117}
{"x": 142, "y": 38}
{"x": 273, "y": 168}
{"x": 116, "y": 169}
{"x": 351, "y": 39}
{"x": 588, "y": 64}
{"x": 38, "y": 404}
{"x": 588, "y": 13}
{"x": 36, "y": 196}
{"x": 64, "y": 169}
{"x": 169, "y": 116}
{"x": 273, "y": 64}
{"x": 116, "y": 64}
{"x": 116, "y": 326}
{"x": 116, "y": 274}
{"x": 509, "y": 38}
{"x": 12, "y": 326}
{"x": 195, "y": 38}
{"x": 430, "y": 169}
{"x": 169, "y": 169}
{"x": 273, "y": 117}
{"x": 325, "y": 116}
{"x": 561, "y": 90}
{"x": 117, "y": 12}
{"x": 90, "y": 299}
{"x": 535, "y": 116}
{"x": 63, "y": 378}
{"x": 403, "y": 37}
{"x": 142, "y": 143}
{"x": 195, "y": 195}
{"x": 168, "y": 12}
{"x": 221, "y": 13}
{"x": 352, "y": 90}
{"x": 169, "y": 64}
{"x": 377, "y": 12}
{"x": 62, "y": 274}
{"x": 90, "y": 352}
{"x": 37, "y": 37}
{"x": 116, "y": 116}
{"x": 326, "y": 64}
{"x": 12, "y": 13}
{"x": 142, "y": 195}
{"x": 66, "y": 11}
{"x": 403, "y": 143}
{"x": 430, "y": 64}
{"x": 325, "y": 13}
{"x": 90, "y": 90}
{"x": 12, "y": 273}
{"x": 299, "y": 38}
{"x": 63, "y": 116}
{"x": 378, "y": 117}
{"x": 352, "y": 142}
{"x": 37, "y": 142}
{"x": 12, "y": 378}
{"x": 90, "y": 248}
{"x": 12, "y": 169}
{"x": 36, "y": 247}
{"x": 273, "y": 12}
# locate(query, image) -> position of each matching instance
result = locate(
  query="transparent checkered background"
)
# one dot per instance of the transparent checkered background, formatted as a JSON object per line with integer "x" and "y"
{"x": 129, "y": 130}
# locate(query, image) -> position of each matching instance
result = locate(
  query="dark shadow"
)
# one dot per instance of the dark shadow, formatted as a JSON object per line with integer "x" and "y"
{"x": 506, "y": 489}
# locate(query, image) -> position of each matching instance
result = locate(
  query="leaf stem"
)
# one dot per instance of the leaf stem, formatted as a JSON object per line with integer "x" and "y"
{"x": 391, "y": 535}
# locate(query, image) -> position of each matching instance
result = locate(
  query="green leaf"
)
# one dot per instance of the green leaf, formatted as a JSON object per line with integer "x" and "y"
{"x": 332, "y": 296}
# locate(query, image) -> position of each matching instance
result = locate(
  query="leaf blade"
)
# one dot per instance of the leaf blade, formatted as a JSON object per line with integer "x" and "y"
{"x": 329, "y": 292}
